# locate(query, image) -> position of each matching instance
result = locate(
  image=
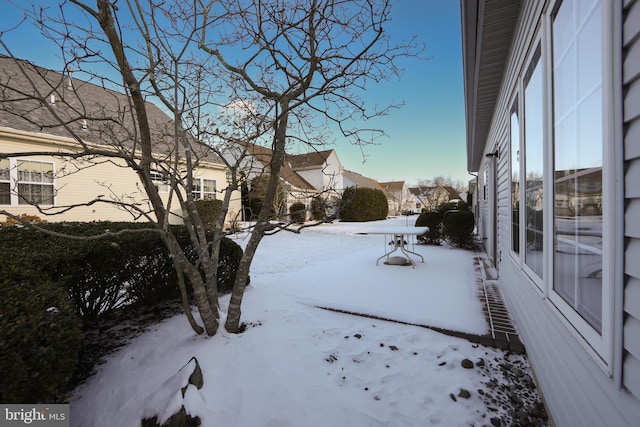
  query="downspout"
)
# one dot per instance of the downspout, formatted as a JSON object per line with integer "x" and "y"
{"x": 475, "y": 205}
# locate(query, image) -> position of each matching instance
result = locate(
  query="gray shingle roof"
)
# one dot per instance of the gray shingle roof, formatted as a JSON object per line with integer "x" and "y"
{"x": 32, "y": 97}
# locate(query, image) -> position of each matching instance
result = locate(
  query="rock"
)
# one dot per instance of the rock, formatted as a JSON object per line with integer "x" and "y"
{"x": 467, "y": 364}
{"x": 464, "y": 393}
{"x": 181, "y": 419}
{"x": 453, "y": 397}
{"x": 480, "y": 363}
{"x": 393, "y": 348}
{"x": 496, "y": 422}
{"x": 189, "y": 375}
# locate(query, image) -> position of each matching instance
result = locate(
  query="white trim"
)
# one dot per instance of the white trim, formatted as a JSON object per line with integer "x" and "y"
{"x": 599, "y": 345}
{"x": 613, "y": 37}
{"x": 14, "y": 181}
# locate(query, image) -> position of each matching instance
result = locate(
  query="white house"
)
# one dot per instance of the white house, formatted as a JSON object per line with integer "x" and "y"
{"x": 400, "y": 199}
{"x": 552, "y": 94}
{"x": 322, "y": 169}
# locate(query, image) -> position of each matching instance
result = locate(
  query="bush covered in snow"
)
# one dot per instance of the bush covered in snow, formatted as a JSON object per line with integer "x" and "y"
{"x": 363, "y": 204}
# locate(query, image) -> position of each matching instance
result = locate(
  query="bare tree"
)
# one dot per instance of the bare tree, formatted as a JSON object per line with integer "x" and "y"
{"x": 297, "y": 67}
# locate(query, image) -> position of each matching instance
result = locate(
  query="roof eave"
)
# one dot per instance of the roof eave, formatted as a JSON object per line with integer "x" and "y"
{"x": 487, "y": 31}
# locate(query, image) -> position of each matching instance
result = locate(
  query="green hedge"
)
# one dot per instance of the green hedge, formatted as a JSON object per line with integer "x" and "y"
{"x": 363, "y": 204}
{"x": 102, "y": 275}
{"x": 48, "y": 284}
{"x": 40, "y": 337}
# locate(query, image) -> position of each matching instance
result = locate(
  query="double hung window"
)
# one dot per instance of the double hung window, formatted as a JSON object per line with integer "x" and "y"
{"x": 204, "y": 189}
{"x": 33, "y": 180}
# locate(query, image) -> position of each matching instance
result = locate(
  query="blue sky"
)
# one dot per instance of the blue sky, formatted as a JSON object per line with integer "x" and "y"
{"x": 425, "y": 138}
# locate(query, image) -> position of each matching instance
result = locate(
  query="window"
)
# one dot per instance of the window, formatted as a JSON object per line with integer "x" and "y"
{"x": 578, "y": 158}
{"x": 515, "y": 179}
{"x": 160, "y": 181}
{"x": 560, "y": 162}
{"x": 204, "y": 189}
{"x": 533, "y": 143}
{"x": 35, "y": 182}
{"x": 5, "y": 182}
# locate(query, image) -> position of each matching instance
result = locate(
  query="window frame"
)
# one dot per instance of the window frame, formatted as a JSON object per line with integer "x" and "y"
{"x": 599, "y": 343}
{"x": 14, "y": 182}
{"x": 199, "y": 192}
{"x": 535, "y": 54}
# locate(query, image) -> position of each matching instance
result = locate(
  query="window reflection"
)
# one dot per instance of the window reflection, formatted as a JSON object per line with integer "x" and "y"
{"x": 515, "y": 180}
{"x": 578, "y": 244}
{"x": 578, "y": 144}
{"x": 534, "y": 159}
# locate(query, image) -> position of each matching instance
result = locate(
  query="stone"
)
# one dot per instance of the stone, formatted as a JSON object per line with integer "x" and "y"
{"x": 464, "y": 393}
{"x": 467, "y": 364}
{"x": 180, "y": 418}
{"x": 496, "y": 422}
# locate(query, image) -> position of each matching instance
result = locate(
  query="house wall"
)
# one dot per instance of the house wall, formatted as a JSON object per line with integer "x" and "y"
{"x": 329, "y": 176}
{"x": 631, "y": 116}
{"x": 111, "y": 179}
{"x": 578, "y": 389}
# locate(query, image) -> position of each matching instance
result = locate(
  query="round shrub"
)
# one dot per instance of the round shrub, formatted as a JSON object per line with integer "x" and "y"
{"x": 40, "y": 336}
{"x": 458, "y": 227}
{"x": 363, "y": 204}
{"x": 432, "y": 220}
{"x": 298, "y": 213}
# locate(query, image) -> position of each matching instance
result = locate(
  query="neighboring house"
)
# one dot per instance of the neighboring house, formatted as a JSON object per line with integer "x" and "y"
{"x": 552, "y": 96}
{"x": 400, "y": 199}
{"x": 58, "y": 182}
{"x": 323, "y": 170}
{"x": 430, "y": 197}
{"x": 354, "y": 179}
{"x": 255, "y": 166}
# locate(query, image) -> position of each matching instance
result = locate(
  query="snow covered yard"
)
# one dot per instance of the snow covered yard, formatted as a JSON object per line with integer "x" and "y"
{"x": 299, "y": 365}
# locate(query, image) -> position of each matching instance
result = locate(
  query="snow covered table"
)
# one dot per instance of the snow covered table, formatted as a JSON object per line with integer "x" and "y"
{"x": 399, "y": 237}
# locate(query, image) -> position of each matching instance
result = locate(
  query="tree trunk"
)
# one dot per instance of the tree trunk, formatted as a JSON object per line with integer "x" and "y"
{"x": 234, "y": 312}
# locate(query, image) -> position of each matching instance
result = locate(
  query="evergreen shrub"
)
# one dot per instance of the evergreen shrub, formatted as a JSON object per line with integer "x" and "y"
{"x": 209, "y": 211}
{"x": 433, "y": 220}
{"x": 104, "y": 274}
{"x": 458, "y": 227}
{"x": 363, "y": 204}
{"x": 40, "y": 335}
{"x": 319, "y": 208}
{"x": 298, "y": 213}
